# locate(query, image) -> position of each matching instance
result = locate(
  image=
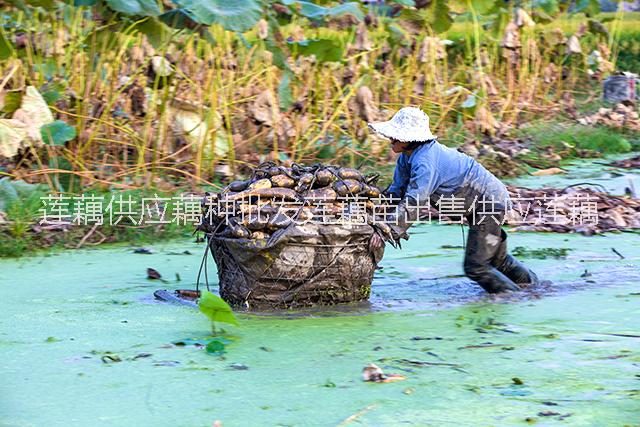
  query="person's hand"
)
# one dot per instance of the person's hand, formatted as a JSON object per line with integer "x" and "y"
{"x": 376, "y": 243}
{"x": 394, "y": 199}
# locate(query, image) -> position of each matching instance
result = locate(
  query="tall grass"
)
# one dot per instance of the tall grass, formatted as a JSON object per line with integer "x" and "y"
{"x": 96, "y": 73}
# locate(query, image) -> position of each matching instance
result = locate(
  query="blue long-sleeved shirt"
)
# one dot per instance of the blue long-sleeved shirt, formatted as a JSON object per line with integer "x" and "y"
{"x": 433, "y": 170}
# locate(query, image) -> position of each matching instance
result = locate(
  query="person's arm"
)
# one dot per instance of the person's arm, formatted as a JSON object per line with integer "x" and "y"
{"x": 424, "y": 180}
{"x": 397, "y": 190}
{"x": 401, "y": 178}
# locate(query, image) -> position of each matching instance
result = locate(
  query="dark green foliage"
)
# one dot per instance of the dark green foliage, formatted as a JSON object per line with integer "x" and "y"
{"x": 629, "y": 52}
{"x": 215, "y": 347}
{"x": 325, "y": 50}
{"x": 238, "y": 15}
{"x": 6, "y": 49}
{"x": 577, "y": 140}
{"x": 22, "y": 206}
{"x": 311, "y": 10}
{"x": 57, "y": 133}
{"x": 135, "y": 7}
{"x": 20, "y": 202}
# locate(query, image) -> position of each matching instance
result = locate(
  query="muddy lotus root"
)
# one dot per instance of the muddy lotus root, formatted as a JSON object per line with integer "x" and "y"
{"x": 278, "y": 242}
{"x": 275, "y": 196}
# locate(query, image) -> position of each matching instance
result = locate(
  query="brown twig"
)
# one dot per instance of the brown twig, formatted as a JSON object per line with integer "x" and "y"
{"x": 357, "y": 415}
{"x": 86, "y": 236}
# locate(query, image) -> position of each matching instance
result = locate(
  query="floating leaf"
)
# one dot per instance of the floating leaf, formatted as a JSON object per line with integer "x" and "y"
{"x": 515, "y": 392}
{"x": 215, "y": 347}
{"x": 238, "y": 15}
{"x": 314, "y": 11}
{"x": 216, "y": 309}
{"x": 239, "y": 367}
{"x": 135, "y": 7}
{"x": 153, "y": 274}
{"x": 190, "y": 341}
{"x": 85, "y": 2}
{"x": 145, "y": 251}
{"x": 57, "y": 133}
{"x": 111, "y": 358}
{"x": 199, "y": 341}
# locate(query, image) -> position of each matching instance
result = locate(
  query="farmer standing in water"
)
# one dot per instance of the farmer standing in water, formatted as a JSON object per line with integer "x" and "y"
{"x": 428, "y": 171}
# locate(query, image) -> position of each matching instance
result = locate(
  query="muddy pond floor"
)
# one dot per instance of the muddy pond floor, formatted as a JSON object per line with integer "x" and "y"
{"x": 83, "y": 343}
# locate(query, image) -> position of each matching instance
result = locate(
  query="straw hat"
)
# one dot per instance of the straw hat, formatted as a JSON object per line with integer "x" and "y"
{"x": 407, "y": 125}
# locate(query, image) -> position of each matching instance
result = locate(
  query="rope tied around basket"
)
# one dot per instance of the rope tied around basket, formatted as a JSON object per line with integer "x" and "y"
{"x": 203, "y": 263}
{"x": 294, "y": 271}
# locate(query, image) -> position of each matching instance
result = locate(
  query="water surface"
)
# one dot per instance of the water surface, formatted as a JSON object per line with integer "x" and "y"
{"x": 567, "y": 353}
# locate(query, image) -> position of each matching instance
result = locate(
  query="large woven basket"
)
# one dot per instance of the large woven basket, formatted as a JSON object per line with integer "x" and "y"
{"x": 303, "y": 266}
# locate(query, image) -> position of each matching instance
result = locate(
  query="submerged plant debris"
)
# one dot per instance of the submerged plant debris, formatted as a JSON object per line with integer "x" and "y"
{"x": 633, "y": 162}
{"x": 614, "y": 213}
{"x": 541, "y": 253}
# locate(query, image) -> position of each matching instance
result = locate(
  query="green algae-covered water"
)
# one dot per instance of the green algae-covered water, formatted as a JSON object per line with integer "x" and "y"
{"x": 592, "y": 171}
{"x": 567, "y": 355}
{"x": 83, "y": 343}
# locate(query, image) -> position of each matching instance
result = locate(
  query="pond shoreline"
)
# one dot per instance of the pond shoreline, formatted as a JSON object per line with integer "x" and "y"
{"x": 36, "y": 239}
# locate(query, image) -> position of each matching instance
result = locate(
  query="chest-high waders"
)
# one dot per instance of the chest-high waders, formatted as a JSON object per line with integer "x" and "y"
{"x": 486, "y": 259}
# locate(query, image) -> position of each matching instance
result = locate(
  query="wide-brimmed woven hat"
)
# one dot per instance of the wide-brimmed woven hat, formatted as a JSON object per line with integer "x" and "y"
{"x": 407, "y": 125}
